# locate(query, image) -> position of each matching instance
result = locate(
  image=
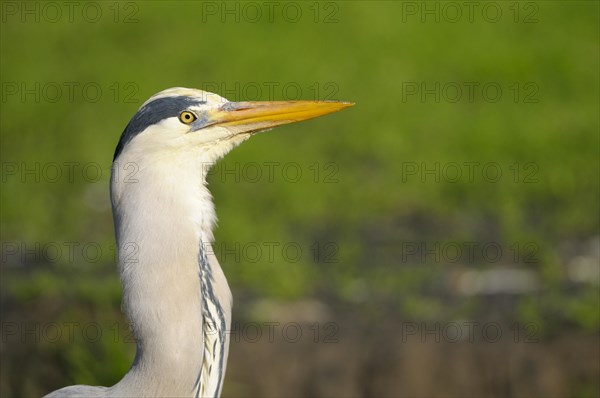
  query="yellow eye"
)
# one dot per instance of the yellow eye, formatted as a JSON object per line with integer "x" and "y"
{"x": 187, "y": 117}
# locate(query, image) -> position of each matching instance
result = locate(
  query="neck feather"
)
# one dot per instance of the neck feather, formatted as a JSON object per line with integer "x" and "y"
{"x": 163, "y": 220}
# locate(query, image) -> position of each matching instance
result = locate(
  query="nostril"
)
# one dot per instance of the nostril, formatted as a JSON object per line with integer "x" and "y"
{"x": 230, "y": 106}
{"x": 235, "y": 106}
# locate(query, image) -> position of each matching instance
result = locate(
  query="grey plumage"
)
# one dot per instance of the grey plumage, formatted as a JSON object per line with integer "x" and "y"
{"x": 174, "y": 291}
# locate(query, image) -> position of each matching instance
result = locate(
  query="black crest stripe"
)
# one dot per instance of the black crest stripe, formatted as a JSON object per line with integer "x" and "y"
{"x": 152, "y": 113}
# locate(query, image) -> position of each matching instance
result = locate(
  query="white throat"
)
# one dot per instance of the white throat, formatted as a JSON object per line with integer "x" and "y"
{"x": 169, "y": 275}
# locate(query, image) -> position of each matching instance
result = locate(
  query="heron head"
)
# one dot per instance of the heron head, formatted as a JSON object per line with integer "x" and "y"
{"x": 182, "y": 123}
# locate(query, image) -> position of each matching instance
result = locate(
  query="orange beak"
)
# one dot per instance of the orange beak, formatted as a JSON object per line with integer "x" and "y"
{"x": 260, "y": 115}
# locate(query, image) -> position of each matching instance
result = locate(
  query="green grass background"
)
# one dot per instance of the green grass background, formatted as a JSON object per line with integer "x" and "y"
{"x": 368, "y": 55}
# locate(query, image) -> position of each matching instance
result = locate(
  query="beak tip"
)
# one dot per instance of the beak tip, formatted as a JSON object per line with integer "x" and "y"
{"x": 346, "y": 104}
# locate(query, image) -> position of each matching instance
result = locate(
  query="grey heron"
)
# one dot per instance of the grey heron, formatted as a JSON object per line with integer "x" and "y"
{"x": 174, "y": 291}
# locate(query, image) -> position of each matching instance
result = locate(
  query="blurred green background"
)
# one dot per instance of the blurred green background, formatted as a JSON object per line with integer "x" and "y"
{"x": 460, "y": 194}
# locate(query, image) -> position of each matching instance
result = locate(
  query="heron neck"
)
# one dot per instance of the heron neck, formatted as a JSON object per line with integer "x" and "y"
{"x": 163, "y": 224}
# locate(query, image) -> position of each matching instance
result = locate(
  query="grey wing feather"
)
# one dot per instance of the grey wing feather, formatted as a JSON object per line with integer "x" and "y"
{"x": 79, "y": 391}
